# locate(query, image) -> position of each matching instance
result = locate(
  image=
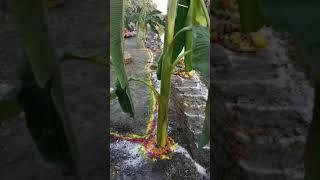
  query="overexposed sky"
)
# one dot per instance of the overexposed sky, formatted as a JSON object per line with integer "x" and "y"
{"x": 161, "y": 5}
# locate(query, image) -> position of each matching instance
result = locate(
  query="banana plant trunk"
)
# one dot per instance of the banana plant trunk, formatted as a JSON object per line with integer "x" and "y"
{"x": 162, "y": 125}
{"x": 141, "y": 34}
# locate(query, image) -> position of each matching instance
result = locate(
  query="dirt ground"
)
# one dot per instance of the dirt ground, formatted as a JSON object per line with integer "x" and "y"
{"x": 81, "y": 24}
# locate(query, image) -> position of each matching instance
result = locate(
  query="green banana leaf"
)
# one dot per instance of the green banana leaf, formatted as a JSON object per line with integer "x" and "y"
{"x": 201, "y": 63}
{"x": 123, "y": 98}
{"x": 196, "y": 16}
{"x": 251, "y": 19}
{"x": 116, "y": 45}
{"x": 201, "y": 50}
{"x": 179, "y": 24}
{"x": 33, "y": 32}
{"x": 159, "y": 67}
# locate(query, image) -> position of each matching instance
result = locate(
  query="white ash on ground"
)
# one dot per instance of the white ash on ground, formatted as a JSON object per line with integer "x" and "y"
{"x": 127, "y": 159}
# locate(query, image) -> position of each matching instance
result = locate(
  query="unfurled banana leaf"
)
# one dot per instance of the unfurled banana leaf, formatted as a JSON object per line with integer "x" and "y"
{"x": 201, "y": 50}
{"x": 153, "y": 19}
{"x": 200, "y": 14}
{"x": 153, "y": 26}
{"x": 301, "y": 18}
{"x": 201, "y": 63}
{"x": 197, "y": 16}
{"x": 116, "y": 44}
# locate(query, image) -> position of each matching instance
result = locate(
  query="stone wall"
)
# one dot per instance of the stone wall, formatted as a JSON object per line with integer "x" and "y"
{"x": 267, "y": 106}
{"x": 189, "y": 98}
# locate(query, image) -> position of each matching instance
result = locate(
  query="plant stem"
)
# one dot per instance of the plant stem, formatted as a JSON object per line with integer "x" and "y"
{"x": 179, "y": 57}
{"x": 166, "y": 75}
{"x": 250, "y": 18}
{"x": 205, "y": 11}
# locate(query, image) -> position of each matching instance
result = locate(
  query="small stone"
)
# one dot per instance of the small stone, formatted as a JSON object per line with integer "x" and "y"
{"x": 243, "y": 137}
{"x": 5, "y": 132}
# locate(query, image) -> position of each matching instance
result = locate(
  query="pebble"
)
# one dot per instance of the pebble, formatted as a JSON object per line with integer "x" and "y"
{"x": 5, "y": 132}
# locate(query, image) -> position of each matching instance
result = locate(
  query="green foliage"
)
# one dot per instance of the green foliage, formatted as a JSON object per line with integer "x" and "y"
{"x": 187, "y": 26}
{"x": 123, "y": 98}
{"x": 182, "y": 12}
{"x": 250, "y": 17}
{"x": 166, "y": 70}
{"x": 159, "y": 69}
{"x": 201, "y": 50}
{"x": 155, "y": 20}
{"x": 116, "y": 50}
{"x": 143, "y": 14}
{"x": 34, "y": 37}
{"x": 199, "y": 44}
{"x": 197, "y": 15}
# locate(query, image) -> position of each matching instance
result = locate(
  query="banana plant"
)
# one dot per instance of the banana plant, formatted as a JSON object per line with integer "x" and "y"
{"x": 183, "y": 17}
{"x": 144, "y": 15}
{"x": 301, "y": 18}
